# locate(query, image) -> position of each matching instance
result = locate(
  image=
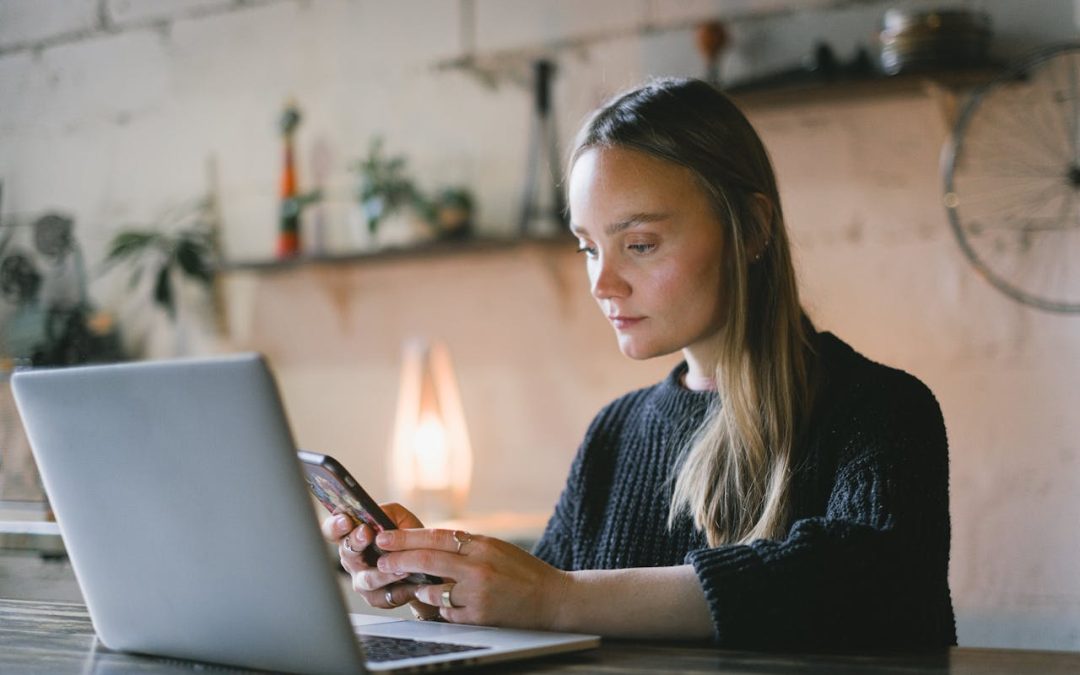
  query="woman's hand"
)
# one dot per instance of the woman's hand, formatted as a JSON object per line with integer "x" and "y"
{"x": 379, "y": 589}
{"x": 488, "y": 581}
{"x": 491, "y": 582}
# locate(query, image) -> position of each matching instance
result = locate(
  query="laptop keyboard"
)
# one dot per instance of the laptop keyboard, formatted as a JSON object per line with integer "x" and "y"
{"x": 378, "y": 648}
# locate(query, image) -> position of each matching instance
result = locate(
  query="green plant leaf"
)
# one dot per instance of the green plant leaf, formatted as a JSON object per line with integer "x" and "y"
{"x": 163, "y": 292}
{"x": 192, "y": 258}
{"x": 425, "y": 208}
{"x": 129, "y": 243}
{"x": 309, "y": 198}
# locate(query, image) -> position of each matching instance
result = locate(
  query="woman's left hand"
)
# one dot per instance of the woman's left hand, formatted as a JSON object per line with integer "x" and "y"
{"x": 488, "y": 581}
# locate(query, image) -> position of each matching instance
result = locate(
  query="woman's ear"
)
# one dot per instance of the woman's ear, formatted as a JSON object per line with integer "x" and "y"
{"x": 762, "y": 209}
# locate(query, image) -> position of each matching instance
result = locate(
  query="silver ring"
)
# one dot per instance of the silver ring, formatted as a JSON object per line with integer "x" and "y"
{"x": 461, "y": 537}
{"x": 444, "y": 597}
{"x": 390, "y": 599}
{"x": 348, "y": 547}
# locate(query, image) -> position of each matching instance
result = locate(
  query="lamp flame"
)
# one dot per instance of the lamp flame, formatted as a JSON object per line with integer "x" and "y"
{"x": 431, "y": 458}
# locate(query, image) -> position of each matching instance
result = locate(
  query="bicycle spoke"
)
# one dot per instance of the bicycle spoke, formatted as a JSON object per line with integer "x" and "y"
{"x": 1014, "y": 180}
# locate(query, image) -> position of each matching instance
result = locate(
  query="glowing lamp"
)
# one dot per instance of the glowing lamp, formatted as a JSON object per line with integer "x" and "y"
{"x": 431, "y": 459}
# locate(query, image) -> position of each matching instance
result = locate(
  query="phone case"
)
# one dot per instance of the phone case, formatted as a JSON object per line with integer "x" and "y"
{"x": 339, "y": 492}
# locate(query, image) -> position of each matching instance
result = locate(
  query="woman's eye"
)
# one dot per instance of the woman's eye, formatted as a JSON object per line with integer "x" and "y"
{"x": 589, "y": 251}
{"x": 641, "y": 248}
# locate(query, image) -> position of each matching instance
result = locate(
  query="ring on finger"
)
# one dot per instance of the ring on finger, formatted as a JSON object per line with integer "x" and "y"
{"x": 390, "y": 599}
{"x": 348, "y": 546}
{"x": 444, "y": 597}
{"x": 461, "y": 537}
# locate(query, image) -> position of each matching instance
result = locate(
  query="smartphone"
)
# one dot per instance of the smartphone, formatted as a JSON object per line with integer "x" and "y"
{"x": 339, "y": 492}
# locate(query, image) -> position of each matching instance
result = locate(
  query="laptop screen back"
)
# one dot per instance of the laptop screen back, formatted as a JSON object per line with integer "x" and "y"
{"x": 179, "y": 497}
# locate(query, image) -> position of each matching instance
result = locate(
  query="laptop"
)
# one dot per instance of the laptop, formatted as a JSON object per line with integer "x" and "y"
{"x": 191, "y": 532}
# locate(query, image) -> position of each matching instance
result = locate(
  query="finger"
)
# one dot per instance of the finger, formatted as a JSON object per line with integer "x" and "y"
{"x": 438, "y": 563}
{"x": 336, "y": 526}
{"x": 353, "y": 543}
{"x": 458, "y": 613}
{"x": 370, "y": 579}
{"x": 385, "y": 598}
{"x": 455, "y": 615}
{"x": 444, "y": 596}
{"x": 440, "y": 540}
{"x": 396, "y": 595}
{"x": 402, "y": 516}
{"x": 352, "y": 559}
{"x": 424, "y": 612}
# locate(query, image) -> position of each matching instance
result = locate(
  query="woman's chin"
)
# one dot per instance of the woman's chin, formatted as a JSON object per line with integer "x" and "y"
{"x": 634, "y": 349}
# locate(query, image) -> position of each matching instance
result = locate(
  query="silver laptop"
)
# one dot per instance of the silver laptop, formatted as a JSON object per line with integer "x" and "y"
{"x": 185, "y": 514}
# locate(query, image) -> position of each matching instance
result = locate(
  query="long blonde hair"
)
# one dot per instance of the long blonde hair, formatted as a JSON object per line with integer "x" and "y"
{"x": 734, "y": 476}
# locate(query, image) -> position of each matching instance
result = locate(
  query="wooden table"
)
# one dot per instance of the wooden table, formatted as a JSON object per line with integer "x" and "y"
{"x": 52, "y": 637}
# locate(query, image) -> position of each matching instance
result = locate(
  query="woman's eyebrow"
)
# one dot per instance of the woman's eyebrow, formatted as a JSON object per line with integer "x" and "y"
{"x": 612, "y": 229}
{"x": 636, "y": 219}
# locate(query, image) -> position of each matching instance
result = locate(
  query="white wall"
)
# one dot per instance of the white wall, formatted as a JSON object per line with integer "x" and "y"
{"x": 110, "y": 109}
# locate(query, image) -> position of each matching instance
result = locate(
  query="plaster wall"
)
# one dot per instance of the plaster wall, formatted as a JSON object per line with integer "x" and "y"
{"x": 112, "y": 109}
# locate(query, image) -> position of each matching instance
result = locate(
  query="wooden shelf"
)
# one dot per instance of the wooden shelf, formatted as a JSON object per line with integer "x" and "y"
{"x": 818, "y": 91}
{"x": 420, "y": 251}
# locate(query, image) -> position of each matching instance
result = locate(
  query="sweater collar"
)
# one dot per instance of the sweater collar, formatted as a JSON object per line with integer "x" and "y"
{"x": 678, "y": 405}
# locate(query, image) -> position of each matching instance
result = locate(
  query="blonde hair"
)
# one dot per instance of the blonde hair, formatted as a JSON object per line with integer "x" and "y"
{"x": 734, "y": 476}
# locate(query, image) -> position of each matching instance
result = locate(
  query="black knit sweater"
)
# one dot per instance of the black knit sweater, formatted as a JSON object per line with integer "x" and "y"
{"x": 865, "y": 562}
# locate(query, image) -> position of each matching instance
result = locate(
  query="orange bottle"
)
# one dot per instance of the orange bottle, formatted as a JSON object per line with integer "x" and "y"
{"x": 288, "y": 243}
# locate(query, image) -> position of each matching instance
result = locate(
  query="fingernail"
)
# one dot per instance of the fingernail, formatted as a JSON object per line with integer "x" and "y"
{"x": 341, "y": 522}
{"x": 383, "y": 565}
{"x": 401, "y": 574}
{"x": 384, "y": 539}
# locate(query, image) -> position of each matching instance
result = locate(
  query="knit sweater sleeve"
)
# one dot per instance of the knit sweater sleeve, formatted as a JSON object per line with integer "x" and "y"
{"x": 586, "y": 484}
{"x": 872, "y": 570}
{"x": 556, "y": 545}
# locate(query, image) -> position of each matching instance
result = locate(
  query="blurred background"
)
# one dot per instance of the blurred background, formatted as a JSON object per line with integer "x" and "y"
{"x": 325, "y": 181}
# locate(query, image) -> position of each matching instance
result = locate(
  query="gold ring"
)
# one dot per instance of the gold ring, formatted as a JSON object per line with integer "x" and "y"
{"x": 461, "y": 537}
{"x": 444, "y": 597}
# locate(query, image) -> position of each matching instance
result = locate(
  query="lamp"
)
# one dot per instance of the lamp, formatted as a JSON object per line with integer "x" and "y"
{"x": 431, "y": 459}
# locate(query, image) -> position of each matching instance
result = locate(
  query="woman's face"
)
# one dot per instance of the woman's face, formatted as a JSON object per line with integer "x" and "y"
{"x": 652, "y": 245}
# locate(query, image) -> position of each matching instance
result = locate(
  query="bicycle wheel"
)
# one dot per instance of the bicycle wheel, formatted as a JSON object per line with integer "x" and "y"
{"x": 1012, "y": 177}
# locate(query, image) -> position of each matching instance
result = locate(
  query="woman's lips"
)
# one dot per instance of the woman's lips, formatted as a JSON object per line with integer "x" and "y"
{"x": 624, "y": 322}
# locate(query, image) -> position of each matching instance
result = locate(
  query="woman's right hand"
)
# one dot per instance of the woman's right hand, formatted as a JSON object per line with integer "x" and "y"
{"x": 384, "y": 590}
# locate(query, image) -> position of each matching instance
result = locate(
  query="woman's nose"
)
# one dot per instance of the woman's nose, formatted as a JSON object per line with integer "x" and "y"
{"x": 607, "y": 282}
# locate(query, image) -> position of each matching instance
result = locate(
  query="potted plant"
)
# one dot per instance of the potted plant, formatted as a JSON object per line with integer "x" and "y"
{"x": 46, "y": 315}
{"x": 180, "y": 250}
{"x": 396, "y": 212}
{"x": 385, "y": 186}
{"x": 452, "y": 213}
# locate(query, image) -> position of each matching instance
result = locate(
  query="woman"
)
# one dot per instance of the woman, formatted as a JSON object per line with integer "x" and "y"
{"x": 776, "y": 491}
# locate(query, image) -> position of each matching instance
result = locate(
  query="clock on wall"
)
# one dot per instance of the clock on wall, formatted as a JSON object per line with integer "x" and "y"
{"x": 1012, "y": 179}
